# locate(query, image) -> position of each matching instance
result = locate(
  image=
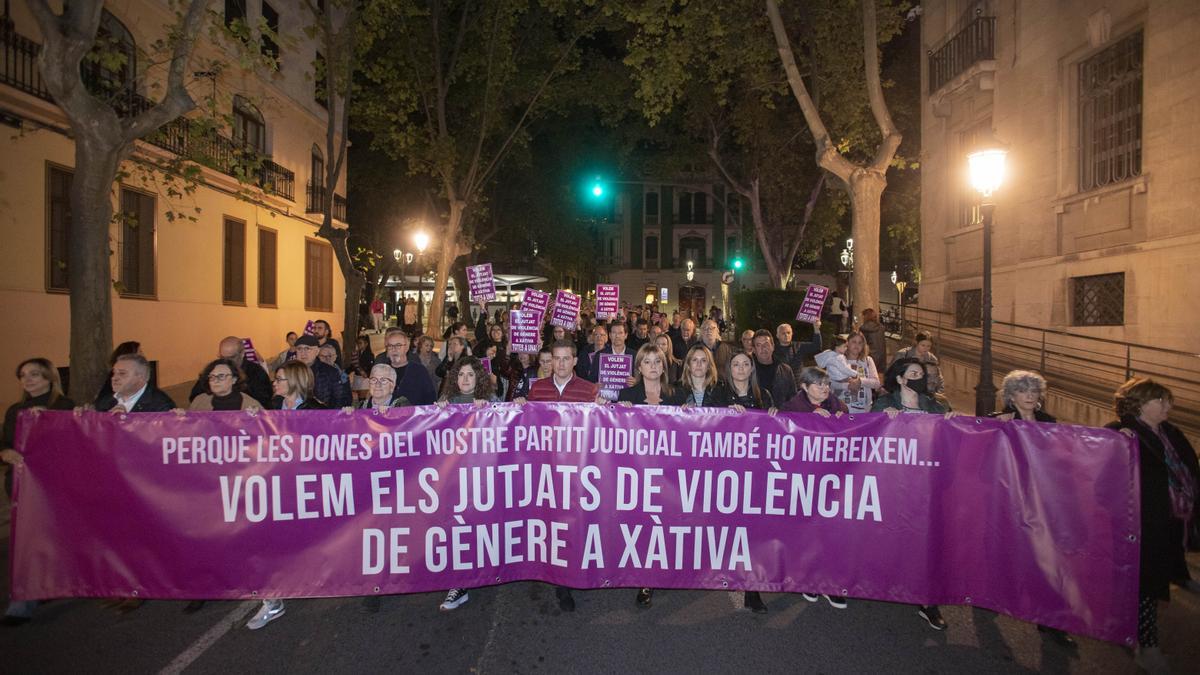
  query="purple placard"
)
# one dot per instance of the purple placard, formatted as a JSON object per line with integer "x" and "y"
{"x": 814, "y": 301}
{"x": 524, "y": 331}
{"x": 615, "y": 370}
{"x": 481, "y": 282}
{"x": 248, "y": 351}
{"x": 1038, "y": 521}
{"x": 608, "y": 300}
{"x": 534, "y": 300}
{"x": 308, "y": 328}
{"x": 486, "y": 362}
{"x": 566, "y": 310}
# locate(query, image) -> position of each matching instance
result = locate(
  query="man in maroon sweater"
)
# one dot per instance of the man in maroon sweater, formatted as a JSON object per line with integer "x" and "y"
{"x": 563, "y": 386}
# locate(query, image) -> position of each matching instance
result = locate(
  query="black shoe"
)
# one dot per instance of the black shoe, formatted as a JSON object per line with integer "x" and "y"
{"x": 1061, "y": 637}
{"x": 566, "y": 601}
{"x": 193, "y": 607}
{"x": 932, "y": 616}
{"x": 643, "y": 597}
{"x": 370, "y": 604}
{"x": 753, "y": 602}
{"x": 14, "y": 621}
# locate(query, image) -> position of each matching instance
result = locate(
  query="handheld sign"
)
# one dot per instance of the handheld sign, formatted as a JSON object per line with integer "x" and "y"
{"x": 524, "y": 331}
{"x": 481, "y": 282}
{"x": 615, "y": 370}
{"x": 248, "y": 351}
{"x": 566, "y": 310}
{"x": 535, "y": 301}
{"x": 487, "y": 364}
{"x": 814, "y": 300}
{"x": 608, "y": 300}
{"x": 308, "y": 328}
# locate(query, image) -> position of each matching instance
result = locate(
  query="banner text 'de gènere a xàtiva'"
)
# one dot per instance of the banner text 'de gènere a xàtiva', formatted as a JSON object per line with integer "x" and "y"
{"x": 1033, "y": 520}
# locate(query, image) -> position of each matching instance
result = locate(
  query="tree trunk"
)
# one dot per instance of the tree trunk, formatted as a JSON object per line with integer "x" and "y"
{"x": 89, "y": 272}
{"x": 866, "y": 190}
{"x": 437, "y": 308}
{"x": 777, "y": 274}
{"x": 354, "y": 291}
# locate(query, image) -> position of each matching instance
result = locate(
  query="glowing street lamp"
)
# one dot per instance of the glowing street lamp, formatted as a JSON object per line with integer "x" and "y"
{"x": 421, "y": 239}
{"x": 985, "y": 165}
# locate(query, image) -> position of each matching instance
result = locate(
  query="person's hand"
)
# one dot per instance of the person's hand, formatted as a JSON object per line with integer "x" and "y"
{"x": 630, "y": 381}
{"x": 823, "y": 413}
{"x": 854, "y": 384}
{"x": 738, "y": 408}
{"x": 118, "y": 409}
{"x": 1006, "y": 417}
{"x": 10, "y": 456}
{"x": 441, "y": 403}
{"x": 347, "y": 409}
{"x": 78, "y": 410}
{"x": 771, "y": 412}
{"x": 685, "y": 406}
{"x": 520, "y": 400}
{"x": 1127, "y": 432}
{"x": 625, "y": 404}
{"x": 816, "y": 324}
{"x": 179, "y": 412}
{"x": 479, "y": 403}
{"x": 892, "y": 413}
{"x": 951, "y": 415}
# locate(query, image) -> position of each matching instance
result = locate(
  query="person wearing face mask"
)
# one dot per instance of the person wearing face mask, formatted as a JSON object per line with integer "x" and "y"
{"x": 1170, "y": 502}
{"x": 922, "y": 350}
{"x": 908, "y": 393}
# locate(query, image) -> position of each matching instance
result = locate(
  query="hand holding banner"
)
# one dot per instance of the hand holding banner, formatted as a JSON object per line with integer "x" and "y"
{"x": 814, "y": 302}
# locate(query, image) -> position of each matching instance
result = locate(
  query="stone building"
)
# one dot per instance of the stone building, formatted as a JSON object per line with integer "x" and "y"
{"x": 1096, "y": 229}
{"x": 248, "y": 265}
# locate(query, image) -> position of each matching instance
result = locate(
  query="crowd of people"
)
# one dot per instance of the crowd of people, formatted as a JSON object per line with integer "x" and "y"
{"x": 675, "y": 363}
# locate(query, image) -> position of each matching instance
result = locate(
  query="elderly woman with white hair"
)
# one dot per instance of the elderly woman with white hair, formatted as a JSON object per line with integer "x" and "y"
{"x": 380, "y": 385}
{"x": 1023, "y": 392}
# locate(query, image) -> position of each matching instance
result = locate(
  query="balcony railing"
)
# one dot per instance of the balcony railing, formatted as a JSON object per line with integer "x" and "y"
{"x": 316, "y": 202}
{"x": 974, "y": 43}
{"x": 19, "y": 69}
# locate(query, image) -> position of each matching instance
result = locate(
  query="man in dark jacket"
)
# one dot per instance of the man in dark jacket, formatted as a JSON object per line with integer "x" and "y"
{"x": 641, "y": 335}
{"x": 412, "y": 379}
{"x": 794, "y": 353}
{"x": 682, "y": 338}
{"x": 258, "y": 383}
{"x": 132, "y": 391}
{"x": 710, "y": 337}
{"x": 328, "y": 387}
{"x": 324, "y": 335}
{"x": 616, "y": 345}
{"x": 774, "y": 376}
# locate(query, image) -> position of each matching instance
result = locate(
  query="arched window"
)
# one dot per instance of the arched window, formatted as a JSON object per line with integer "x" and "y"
{"x": 110, "y": 68}
{"x": 249, "y": 128}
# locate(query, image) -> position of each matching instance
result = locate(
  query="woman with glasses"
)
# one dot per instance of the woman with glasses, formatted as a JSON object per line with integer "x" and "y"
{"x": 381, "y": 384}
{"x": 293, "y": 388}
{"x": 223, "y": 387}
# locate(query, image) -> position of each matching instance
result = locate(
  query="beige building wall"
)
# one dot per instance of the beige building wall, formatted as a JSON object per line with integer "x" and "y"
{"x": 180, "y": 327}
{"x": 1047, "y": 230}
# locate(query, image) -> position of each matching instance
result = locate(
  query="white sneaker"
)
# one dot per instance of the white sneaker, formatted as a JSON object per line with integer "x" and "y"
{"x": 270, "y": 610}
{"x": 810, "y": 597}
{"x": 454, "y": 599}
{"x": 836, "y": 601}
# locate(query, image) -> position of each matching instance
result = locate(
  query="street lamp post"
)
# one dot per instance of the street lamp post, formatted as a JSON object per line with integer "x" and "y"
{"x": 986, "y": 166}
{"x": 421, "y": 239}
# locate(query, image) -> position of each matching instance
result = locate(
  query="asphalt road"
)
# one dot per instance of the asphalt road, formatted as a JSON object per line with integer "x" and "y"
{"x": 519, "y": 628}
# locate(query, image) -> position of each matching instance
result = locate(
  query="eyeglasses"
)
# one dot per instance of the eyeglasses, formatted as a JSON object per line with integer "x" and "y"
{"x": 217, "y": 377}
{"x": 381, "y": 380}
{"x": 281, "y": 379}
{"x": 396, "y": 345}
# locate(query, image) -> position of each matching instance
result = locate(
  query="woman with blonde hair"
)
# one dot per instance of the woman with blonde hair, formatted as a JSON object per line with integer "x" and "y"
{"x": 700, "y": 385}
{"x": 293, "y": 388}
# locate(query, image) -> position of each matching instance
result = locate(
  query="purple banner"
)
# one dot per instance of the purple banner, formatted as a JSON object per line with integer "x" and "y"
{"x": 1038, "y": 521}
{"x": 566, "y": 310}
{"x": 524, "y": 331}
{"x": 615, "y": 370}
{"x": 814, "y": 302}
{"x": 533, "y": 300}
{"x": 608, "y": 300}
{"x": 481, "y": 282}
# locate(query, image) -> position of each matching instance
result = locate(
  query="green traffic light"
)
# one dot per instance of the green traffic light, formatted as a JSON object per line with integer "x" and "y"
{"x": 737, "y": 263}
{"x": 597, "y": 190}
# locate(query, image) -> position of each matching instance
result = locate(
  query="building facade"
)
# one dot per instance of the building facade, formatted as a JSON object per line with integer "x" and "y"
{"x": 237, "y": 256}
{"x": 1096, "y": 223}
{"x": 673, "y": 240}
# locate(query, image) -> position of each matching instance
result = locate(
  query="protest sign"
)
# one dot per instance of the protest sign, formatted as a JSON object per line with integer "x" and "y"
{"x": 481, "y": 282}
{"x": 566, "y": 310}
{"x": 524, "y": 331}
{"x": 814, "y": 301}
{"x": 1037, "y": 521}
{"x": 534, "y": 300}
{"x": 248, "y": 351}
{"x": 615, "y": 370}
{"x": 608, "y": 300}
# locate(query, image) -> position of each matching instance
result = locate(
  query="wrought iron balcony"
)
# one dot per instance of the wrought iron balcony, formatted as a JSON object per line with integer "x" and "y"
{"x": 316, "y": 201}
{"x": 205, "y": 146}
{"x": 974, "y": 43}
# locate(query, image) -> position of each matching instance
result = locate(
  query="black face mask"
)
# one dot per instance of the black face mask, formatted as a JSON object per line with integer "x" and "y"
{"x": 918, "y": 385}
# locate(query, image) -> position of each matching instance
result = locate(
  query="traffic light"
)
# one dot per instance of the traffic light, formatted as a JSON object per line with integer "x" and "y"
{"x": 597, "y": 189}
{"x": 737, "y": 263}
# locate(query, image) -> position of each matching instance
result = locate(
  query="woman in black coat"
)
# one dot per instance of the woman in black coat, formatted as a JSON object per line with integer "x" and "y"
{"x": 1169, "y": 475}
